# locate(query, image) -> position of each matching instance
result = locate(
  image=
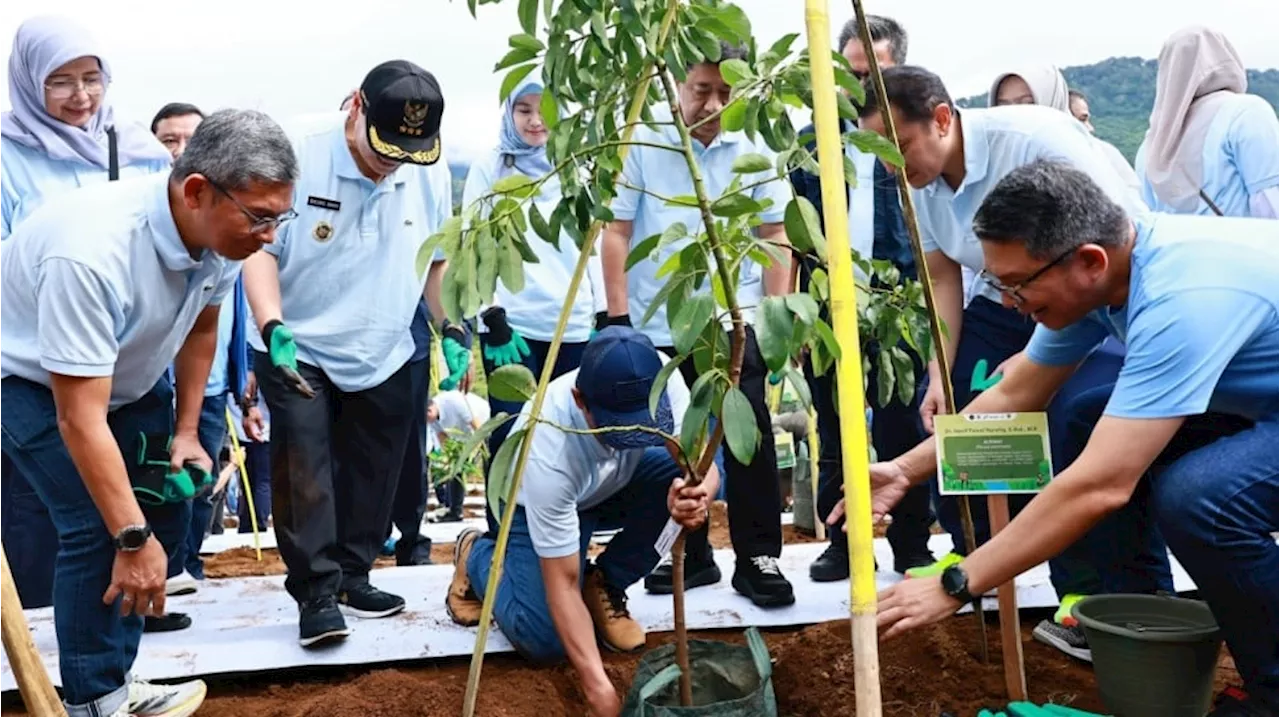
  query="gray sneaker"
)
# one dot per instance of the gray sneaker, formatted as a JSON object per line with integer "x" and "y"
{"x": 151, "y": 700}
{"x": 1070, "y": 640}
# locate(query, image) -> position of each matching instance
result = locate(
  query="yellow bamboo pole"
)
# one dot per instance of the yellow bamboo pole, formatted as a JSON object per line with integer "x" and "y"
{"x": 238, "y": 457}
{"x": 504, "y": 528}
{"x": 844, "y": 319}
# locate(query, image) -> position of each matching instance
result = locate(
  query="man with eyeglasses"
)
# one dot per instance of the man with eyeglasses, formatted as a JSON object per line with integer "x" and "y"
{"x": 102, "y": 289}
{"x": 1187, "y": 439}
{"x": 953, "y": 159}
{"x": 334, "y": 299}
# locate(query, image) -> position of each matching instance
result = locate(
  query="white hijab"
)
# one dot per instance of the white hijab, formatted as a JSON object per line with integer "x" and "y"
{"x": 1199, "y": 69}
{"x": 1048, "y": 86}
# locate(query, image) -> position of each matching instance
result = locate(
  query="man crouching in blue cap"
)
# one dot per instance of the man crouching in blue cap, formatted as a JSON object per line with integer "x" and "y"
{"x": 551, "y": 602}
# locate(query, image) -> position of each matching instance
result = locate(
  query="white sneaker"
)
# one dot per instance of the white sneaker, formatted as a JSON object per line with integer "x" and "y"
{"x": 149, "y": 700}
{"x": 181, "y": 584}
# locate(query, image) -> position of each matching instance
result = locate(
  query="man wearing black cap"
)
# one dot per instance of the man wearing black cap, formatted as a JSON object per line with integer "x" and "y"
{"x": 334, "y": 298}
{"x": 575, "y": 483}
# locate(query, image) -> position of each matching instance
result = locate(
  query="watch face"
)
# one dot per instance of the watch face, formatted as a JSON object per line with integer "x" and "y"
{"x": 133, "y": 538}
{"x": 954, "y": 580}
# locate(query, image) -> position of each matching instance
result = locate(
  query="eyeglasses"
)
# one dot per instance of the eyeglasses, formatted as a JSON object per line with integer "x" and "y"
{"x": 1014, "y": 292}
{"x": 65, "y": 89}
{"x": 257, "y": 224}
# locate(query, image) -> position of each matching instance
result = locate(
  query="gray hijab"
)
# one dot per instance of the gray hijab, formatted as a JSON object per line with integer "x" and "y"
{"x": 42, "y": 45}
{"x": 1048, "y": 86}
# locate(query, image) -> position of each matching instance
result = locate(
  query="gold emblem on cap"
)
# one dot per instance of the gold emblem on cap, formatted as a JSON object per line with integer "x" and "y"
{"x": 391, "y": 151}
{"x": 323, "y": 231}
{"x": 414, "y": 116}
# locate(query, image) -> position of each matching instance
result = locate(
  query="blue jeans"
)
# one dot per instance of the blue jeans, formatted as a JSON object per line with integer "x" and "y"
{"x": 28, "y": 534}
{"x": 95, "y": 644}
{"x": 1213, "y": 494}
{"x": 213, "y": 433}
{"x": 257, "y": 463}
{"x": 639, "y": 509}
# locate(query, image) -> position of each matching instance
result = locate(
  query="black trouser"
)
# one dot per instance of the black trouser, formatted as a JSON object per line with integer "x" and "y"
{"x": 895, "y": 429}
{"x": 410, "y": 501}
{"x": 335, "y": 461}
{"x": 752, "y": 491}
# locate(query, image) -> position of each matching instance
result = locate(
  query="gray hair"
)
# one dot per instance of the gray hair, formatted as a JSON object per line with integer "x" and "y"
{"x": 234, "y": 148}
{"x": 882, "y": 28}
{"x": 1051, "y": 208}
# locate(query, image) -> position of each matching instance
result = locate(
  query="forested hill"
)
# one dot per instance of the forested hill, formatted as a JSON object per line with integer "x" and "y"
{"x": 1121, "y": 91}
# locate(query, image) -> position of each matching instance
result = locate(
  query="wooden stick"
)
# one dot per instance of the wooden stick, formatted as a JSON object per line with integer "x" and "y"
{"x": 1015, "y": 671}
{"x": 855, "y": 452}
{"x": 28, "y": 670}
{"x": 922, "y": 268}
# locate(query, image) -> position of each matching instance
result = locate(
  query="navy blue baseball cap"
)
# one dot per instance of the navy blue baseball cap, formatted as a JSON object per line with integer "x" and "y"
{"x": 619, "y": 366}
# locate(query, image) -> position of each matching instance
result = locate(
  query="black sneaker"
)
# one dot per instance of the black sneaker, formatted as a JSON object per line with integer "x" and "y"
{"x": 320, "y": 621}
{"x": 1068, "y": 639}
{"x": 1235, "y": 702}
{"x": 364, "y": 600}
{"x": 831, "y": 566}
{"x": 169, "y": 622}
{"x": 696, "y": 574}
{"x": 759, "y": 579}
{"x": 912, "y": 559}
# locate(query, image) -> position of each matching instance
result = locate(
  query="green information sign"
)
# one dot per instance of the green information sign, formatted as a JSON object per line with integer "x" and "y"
{"x": 993, "y": 453}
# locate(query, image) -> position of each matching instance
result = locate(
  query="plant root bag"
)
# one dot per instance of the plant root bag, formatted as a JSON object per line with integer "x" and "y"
{"x": 728, "y": 681}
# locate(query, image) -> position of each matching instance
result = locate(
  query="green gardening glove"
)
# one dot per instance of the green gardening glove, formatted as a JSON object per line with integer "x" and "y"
{"x": 503, "y": 345}
{"x": 456, "y": 356}
{"x": 1027, "y": 709}
{"x": 283, "y": 352}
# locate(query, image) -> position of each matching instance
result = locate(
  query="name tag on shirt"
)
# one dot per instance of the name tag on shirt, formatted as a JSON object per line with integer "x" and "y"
{"x": 323, "y": 203}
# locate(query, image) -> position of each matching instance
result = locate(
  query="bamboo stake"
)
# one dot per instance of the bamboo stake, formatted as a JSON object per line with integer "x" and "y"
{"x": 922, "y": 267}
{"x": 844, "y": 319}
{"x": 28, "y": 670}
{"x": 548, "y": 367}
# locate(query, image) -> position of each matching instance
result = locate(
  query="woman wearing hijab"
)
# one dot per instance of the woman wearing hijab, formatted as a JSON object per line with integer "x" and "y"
{"x": 518, "y": 328}
{"x": 1211, "y": 148}
{"x": 1045, "y": 85}
{"x": 58, "y": 135}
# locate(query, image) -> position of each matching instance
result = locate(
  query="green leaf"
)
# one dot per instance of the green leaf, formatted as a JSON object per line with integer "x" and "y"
{"x": 526, "y": 252}
{"x": 683, "y": 200}
{"x": 712, "y": 348}
{"x": 884, "y": 380}
{"x": 660, "y": 384}
{"x": 905, "y": 374}
{"x": 735, "y": 205}
{"x": 753, "y": 162}
{"x": 690, "y": 321}
{"x": 427, "y": 252}
{"x": 528, "y": 13}
{"x": 783, "y": 45}
{"x": 850, "y": 172}
{"x": 735, "y": 71}
{"x": 828, "y": 338}
{"x": 707, "y": 45}
{"x": 870, "y": 142}
{"x": 526, "y": 41}
{"x": 513, "y": 382}
{"x": 845, "y": 78}
{"x": 801, "y": 386}
{"x": 736, "y": 20}
{"x": 500, "y": 468}
{"x": 804, "y": 228}
{"x": 510, "y": 267}
{"x": 540, "y": 226}
{"x": 487, "y": 269}
{"x": 773, "y": 332}
{"x": 641, "y": 251}
{"x": 512, "y": 80}
{"x": 734, "y": 117}
{"x": 450, "y": 296}
{"x": 516, "y": 185}
{"x": 694, "y": 421}
{"x": 846, "y": 107}
{"x": 597, "y": 27}
{"x": 549, "y": 110}
{"x": 517, "y": 56}
{"x": 740, "y": 430}
{"x": 804, "y": 307}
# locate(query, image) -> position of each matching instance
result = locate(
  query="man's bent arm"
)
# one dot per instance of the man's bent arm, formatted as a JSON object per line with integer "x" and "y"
{"x": 82, "y": 405}
{"x": 191, "y": 370}
{"x": 262, "y": 287}
{"x": 948, "y": 291}
{"x": 779, "y": 278}
{"x": 1099, "y": 482}
{"x": 613, "y": 262}
{"x": 431, "y": 291}
{"x": 1028, "y": 386}
{"x": 569, "y": 614}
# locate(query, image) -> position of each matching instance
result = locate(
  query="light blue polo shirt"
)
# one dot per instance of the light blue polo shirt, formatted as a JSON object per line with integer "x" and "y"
{"x": 349, "y": 285}
{"x": 29, "y": 177}
{"x": 665, "y": 173}
{"x": 997, "y": 141}
{"x": 97, "y": 283}
{"x": 1200, "y": 325}
{"x": 1241, "y": 157}
{"x": 536, "y": 309}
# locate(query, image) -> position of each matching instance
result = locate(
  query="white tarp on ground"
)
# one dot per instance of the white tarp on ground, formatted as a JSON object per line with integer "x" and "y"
{"x": 250, "y": 624}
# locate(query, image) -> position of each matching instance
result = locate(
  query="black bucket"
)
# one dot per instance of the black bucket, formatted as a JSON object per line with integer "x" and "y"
{"x": 1153, "y": 655}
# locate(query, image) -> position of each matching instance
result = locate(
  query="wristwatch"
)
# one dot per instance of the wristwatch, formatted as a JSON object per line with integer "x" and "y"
{"x": 131, "y": 538}
{"x": 956, "y": 583}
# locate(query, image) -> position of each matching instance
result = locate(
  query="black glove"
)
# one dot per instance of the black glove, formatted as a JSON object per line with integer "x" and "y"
{"x": 495, "y": 319}
{"x": 602, "y": 320}
{"x": 623, "y": 320}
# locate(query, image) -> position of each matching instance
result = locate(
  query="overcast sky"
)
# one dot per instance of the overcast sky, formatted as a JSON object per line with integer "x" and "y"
{"x": 289, "y": 57}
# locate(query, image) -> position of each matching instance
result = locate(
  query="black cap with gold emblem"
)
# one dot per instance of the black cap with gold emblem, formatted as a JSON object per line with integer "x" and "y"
{"x": 403, "y": 105}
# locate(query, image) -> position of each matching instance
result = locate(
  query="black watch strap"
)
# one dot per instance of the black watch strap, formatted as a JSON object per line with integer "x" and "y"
{"x": 131, "y": 538}
{"x": 956, "y": 582}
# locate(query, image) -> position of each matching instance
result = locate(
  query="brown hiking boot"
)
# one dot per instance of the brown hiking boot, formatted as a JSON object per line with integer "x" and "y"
{"x": 608, "y": 607}
{"x": 463, "y": 604}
